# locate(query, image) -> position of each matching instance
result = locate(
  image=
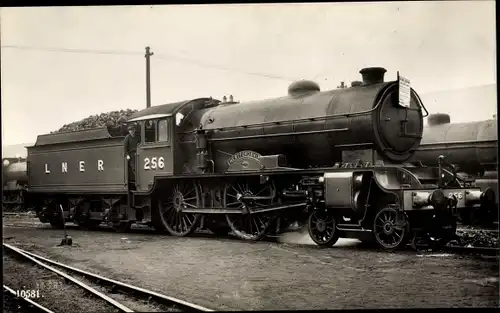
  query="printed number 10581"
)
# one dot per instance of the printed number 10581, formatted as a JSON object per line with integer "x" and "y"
{"x": 154, "y": 163}
{"x": 31, "y": 294}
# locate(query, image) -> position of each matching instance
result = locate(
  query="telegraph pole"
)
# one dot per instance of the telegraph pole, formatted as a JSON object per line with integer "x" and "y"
{"x": 148, "y": 77}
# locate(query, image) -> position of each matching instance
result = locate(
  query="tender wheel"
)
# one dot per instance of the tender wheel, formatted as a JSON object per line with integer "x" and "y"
{"x": 248, "y": 226}
{"x": 322, "y": 227}
{"x": 84, "y": 222}
{"x": 178, "y": 223}
{"x": 389, "y": 233}
{"x": 88, "y": 224}
{"x": 56, "y": 223}
{"x": 121, "y": 227}
{"x": 55, "y": 220}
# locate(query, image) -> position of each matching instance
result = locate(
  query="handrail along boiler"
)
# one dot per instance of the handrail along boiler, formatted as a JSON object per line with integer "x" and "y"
{"x": 330, "y": 159}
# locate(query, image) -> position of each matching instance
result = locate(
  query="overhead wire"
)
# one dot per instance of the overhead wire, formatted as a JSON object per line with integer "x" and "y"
{"x": 155, "y": 56}
{"x": 109, "y": 52}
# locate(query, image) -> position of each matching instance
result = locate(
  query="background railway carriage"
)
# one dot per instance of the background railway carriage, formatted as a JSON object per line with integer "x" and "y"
{"x": 333, "y": 159}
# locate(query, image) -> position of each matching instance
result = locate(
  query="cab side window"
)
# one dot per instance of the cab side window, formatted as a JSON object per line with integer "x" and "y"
{"x": 150, "y": 132}
{"x": 163, "y": 131}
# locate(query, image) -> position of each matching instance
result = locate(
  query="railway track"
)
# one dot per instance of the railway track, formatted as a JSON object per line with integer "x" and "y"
{"x": 127, "y": 289}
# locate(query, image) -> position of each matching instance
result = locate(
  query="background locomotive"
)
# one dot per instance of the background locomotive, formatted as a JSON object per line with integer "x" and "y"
{"x": 14, "y": 180}
{"x": 331, "y": 158}
{"x": 472, "y": 148}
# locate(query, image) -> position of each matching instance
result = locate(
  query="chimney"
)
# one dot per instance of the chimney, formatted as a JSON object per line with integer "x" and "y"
{"x": 230, "y": 99}
{"x": 224, "y": 99}
{"x": 373, "y": 75}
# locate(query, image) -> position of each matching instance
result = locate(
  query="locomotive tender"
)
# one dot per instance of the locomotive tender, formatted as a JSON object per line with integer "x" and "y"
{"x": 331, "y": 158}
{"x": 472, "y": 148}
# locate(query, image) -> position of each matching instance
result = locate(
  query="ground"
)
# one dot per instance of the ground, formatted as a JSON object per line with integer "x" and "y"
{"x": 227, "y": 274}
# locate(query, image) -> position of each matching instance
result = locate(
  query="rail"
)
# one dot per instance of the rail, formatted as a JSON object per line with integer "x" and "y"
{"x": 160, "y": 298}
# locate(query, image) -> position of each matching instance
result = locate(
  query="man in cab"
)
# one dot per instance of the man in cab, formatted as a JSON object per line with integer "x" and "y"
{"x": 130, "y": 144}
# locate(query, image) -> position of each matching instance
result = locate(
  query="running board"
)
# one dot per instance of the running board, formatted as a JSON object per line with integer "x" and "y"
{"x": 241, "y": 211}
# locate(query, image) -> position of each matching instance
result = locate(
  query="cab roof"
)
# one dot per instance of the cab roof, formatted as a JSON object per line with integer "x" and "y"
{"x": 170, "y": 109}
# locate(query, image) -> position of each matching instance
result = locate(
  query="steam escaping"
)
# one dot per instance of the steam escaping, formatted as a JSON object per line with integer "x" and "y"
{"x": 298, "y": 237}
{"x": 301, "y": 237}
{"x": 347, "y": 242}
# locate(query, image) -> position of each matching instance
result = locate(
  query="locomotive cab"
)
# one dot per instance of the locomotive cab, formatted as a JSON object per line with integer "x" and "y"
{"x": 154, "y": 153}
{"x": 163, "y": 130}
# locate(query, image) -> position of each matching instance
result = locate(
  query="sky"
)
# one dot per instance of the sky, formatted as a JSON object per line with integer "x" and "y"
{"x": 249, "y": 51}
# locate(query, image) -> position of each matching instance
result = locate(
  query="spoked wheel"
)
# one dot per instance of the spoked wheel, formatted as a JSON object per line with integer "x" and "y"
{"x": 248, "y": 226}
{"x": 322, "y": 227}
{"x": 389, "y": 233}
{"x": 178, "y": 223}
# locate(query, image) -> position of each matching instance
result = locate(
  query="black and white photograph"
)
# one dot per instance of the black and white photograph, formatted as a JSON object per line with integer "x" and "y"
{"x": 249, "y": 156}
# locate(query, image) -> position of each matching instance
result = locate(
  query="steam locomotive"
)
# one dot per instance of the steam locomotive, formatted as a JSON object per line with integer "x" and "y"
{"x": 333, "y": 160}
{"x": 15, "y": 181}
{"x": 472, "y": 149}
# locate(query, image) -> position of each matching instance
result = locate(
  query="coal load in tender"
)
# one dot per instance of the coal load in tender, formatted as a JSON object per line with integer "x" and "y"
{"x": 110, "y": 119}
